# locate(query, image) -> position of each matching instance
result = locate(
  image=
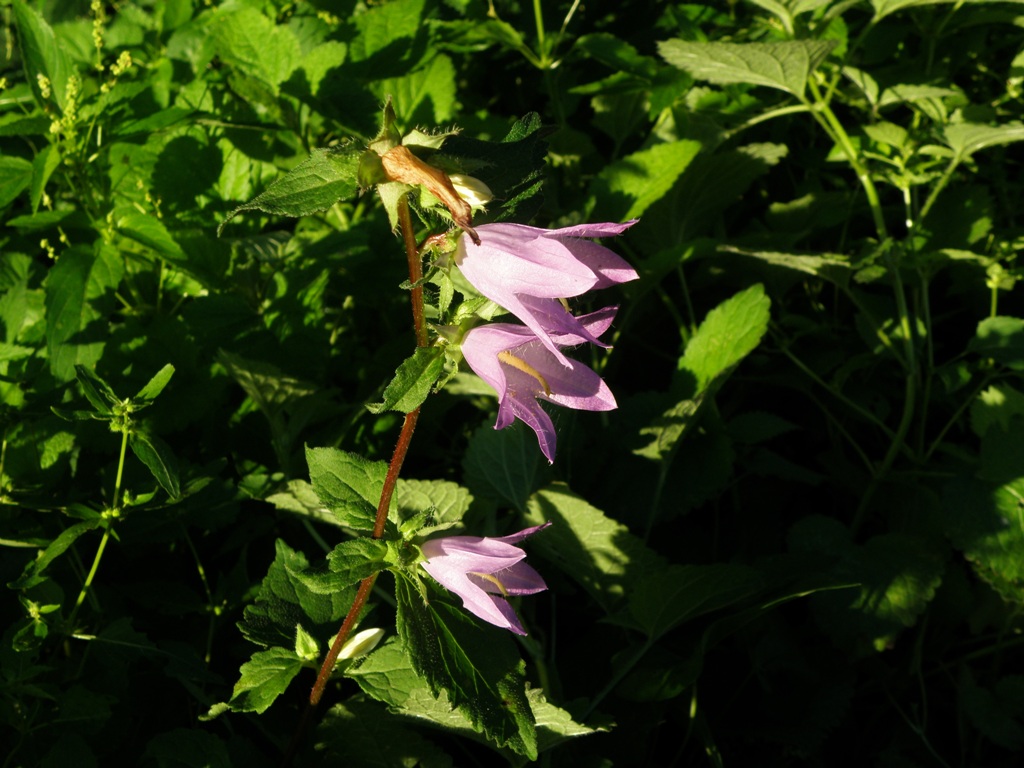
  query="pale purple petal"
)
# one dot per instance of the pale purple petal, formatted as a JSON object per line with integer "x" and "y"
{"x": 596, "y": 229}
{"x": 455, "y": 562}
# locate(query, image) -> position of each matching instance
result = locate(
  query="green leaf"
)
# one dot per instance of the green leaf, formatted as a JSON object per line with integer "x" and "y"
{"x": 504, "y": 465}
{"x": 897, "y": 574}
{"x": 968, "y": 138}
{"x": 42, "y": 54}
{"x": 1000, "y": 339}
{"x": 477, "y": 666}
{"x": 663, "y": 600}
{"x": 996, "y": 406}
{"x": 79, "y": 290}
{"x": 252, "y": 42}
{"x": 159, "y": 458}
{"x": 97, "y": 391}
{"x": 597, "y": 552}
{"x": 982, "y": 521}
{"x": 832, "y": 267}
{"x": 730, "y": 332}
{"x": 785, "y": 65}
{"x": 628, "y": 187}
{"x": 426, "y": 94}
{"x": 15, "y": 176}
{"x": 348, "y": 563}
{"x": 446, "y": 501}
{"x": 413, "y": 381}
{"x": 387, "y": 675}
{"x": 32, "y": 575}
{"x": 153, "y": 387}
{"x": 317, "y": 183}
{"x": 347, "y": 484}
{"x": 151, "y": 232}
{"x": 263, "y": 678}
{"x": 285, "y": 599}
{"x": 45, "y": 163}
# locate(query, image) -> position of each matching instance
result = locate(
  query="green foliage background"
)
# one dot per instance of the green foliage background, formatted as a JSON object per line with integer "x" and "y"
{"x": 798, "y": 541}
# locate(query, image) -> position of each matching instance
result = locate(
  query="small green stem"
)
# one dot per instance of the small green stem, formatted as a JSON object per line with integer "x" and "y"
{"x": 115, "y": 508}
{"x": 538, "y": 18}
{"x": 828, "y": 120}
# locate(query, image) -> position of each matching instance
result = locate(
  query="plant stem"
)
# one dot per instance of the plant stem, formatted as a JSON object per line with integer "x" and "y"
{"x": 397, "y": 457}
{"x": 115, "y": 507}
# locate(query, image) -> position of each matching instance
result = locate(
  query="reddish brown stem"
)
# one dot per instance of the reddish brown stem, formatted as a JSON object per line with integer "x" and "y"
{"x": 412, "y": 254}
{"x": 397, "y": 458}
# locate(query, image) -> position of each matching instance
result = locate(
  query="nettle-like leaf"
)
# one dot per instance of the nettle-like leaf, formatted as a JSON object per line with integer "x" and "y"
{"x": 628, "y": 187}
{"x": 478, "y": 667}
{"x": 285, "y": 599}
{"x": 251, "y": 41}
{"x": 79, "y": 291}
{"x": 1000, "y": 339}
{"x": 42, "y": 54}
{"x": 314, "y": 185}
{"x": 967, "y": 138}
{"x": 15, "y": 176}
{"x": 785, "y": 65}
{"x": 981, "y": 520}
{"x": 594, "y": 550}
{"x": 511, "y": 168}
{"x": 347, "y": 484}
{"x": 897, "y": 574}
{"x": 347, "y": 564}
{"x": 413, "y": 382}
{"x": 729, "y": 333}
{"x": 388, "y": 676}
{"x": 159, "y": 458}
{"x": 262, "y": 679}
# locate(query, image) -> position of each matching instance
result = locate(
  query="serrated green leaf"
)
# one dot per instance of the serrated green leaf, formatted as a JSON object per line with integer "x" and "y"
{"x": 504, "y": 465}
{"x": 284, "y": 600}
{"x": 347, "y": 484}
{"x": 263, "y": 678}
{"x": 424, "y": 95}
{"x": 96, "y": 390}
{"x": 785, "y": 65}
{"x": 996, "y": 406}
{"x": 79, "y": 288}
{"x": 348, "y": 563}
{"x": 885, "y": 7}
{"x": 151, "y": 232}
{"x": 832, "y": 267}
{"x": 446, "y": 501}
{"x": 982, "y": 521}
{"x": 413, "y": 381}
{"x": 628, "y": 187}
{"x": 32, "y": 575}
{"x": 967, "y": 138}
{"x": 159, "y": 458}
{"x": 1001, "y": 339}
{"x": 42, "y": 54}
{"x": 153, "y": 387}
{"x": 252, "y": 41}
{"x": 730, "y": 332}
{"x": 897, "y": 574}
{"x": 478, "y": 667}
{"x": 594, "y": 550}
{"x": 317, "y": 183}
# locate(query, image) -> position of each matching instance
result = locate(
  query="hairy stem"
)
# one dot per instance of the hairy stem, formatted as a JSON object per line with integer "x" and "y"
{"x": 397, "y": 457}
